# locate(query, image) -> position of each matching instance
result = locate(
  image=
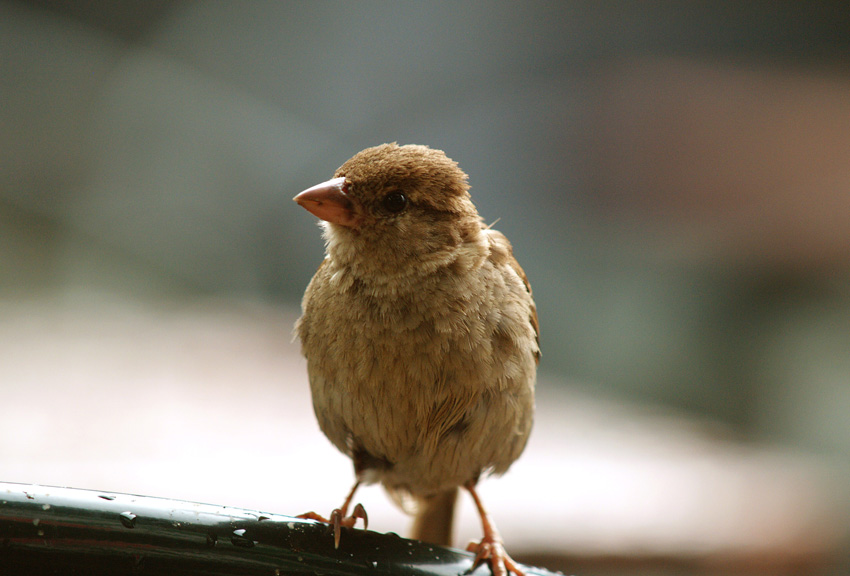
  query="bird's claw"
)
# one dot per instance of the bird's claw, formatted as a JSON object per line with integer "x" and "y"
{"x": 493, "y": 551}
{"x": 339, "y": 520}
{"x": 360, "y": 512}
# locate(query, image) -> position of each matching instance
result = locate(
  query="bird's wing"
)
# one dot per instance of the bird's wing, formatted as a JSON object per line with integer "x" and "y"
{"x": 501, "y": 253}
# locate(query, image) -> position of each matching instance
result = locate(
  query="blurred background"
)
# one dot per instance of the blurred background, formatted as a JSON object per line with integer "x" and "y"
{"x": 675, "y": 180}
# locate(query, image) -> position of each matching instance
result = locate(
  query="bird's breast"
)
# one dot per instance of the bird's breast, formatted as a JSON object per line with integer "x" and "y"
{"x": 407, "y": 379}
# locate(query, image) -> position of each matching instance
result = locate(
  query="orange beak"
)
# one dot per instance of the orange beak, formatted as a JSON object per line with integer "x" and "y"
{"x": 329, "y": 202}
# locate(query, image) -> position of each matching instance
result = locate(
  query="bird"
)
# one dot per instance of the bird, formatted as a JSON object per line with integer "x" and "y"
{"x": 421, "y": 339}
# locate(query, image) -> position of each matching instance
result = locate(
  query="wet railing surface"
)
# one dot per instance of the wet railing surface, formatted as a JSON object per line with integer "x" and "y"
{"x": 50, "y": 530}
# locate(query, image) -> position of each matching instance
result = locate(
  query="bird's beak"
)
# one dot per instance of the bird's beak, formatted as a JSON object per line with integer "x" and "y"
{"x": 329, "y": 201}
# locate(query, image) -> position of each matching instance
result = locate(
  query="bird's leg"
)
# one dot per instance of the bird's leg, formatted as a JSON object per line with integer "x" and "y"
{"x": 491, "y": 548}
{"x": 339, "y": 517}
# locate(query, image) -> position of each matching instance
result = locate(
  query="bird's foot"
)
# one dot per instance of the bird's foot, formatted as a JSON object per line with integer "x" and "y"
{"x": 339, "y": 520}
{"x": 492, "y": 550}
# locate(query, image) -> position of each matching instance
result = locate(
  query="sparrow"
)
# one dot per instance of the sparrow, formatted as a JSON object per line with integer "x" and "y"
{"x": 421, "y": 339}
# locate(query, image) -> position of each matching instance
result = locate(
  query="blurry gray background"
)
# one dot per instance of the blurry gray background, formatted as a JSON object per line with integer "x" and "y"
{"x": 675, "y": 179}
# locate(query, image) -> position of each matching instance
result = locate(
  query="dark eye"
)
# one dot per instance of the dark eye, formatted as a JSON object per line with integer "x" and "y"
{"x": 394, "y": 202}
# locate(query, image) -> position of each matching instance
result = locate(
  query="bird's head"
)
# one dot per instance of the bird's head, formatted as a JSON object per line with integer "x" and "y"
{"x": 397, "y": 206}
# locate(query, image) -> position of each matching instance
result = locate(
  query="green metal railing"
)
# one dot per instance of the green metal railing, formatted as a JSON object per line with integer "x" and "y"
{"x": 50, "y": 530}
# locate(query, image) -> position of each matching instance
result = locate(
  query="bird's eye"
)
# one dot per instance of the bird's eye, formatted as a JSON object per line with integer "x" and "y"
{"x": 394, "y": 202}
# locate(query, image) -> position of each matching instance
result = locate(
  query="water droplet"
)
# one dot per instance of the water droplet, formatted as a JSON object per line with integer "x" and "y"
{"x": 301, "y": 559}
{"x": 45, "y": 506}
{"x": 35, "y": 521}
{"x": 239, "y": 539}
{"x": 106, "y": 496}
{"x": 128, "y": 519}
{"x": 40, "y": 532}
{"x": 290, "y": 525}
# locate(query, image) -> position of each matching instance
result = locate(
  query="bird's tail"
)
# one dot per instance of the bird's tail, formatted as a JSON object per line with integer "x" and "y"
{"x": 435, "y": 517}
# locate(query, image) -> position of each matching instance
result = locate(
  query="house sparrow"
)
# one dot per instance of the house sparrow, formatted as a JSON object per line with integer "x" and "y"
{"x": 421, "y": 338}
